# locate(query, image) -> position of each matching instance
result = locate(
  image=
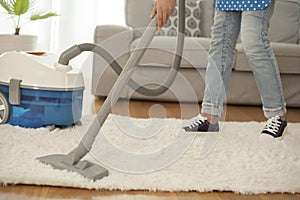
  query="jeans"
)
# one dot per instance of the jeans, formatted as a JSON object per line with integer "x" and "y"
{"x": 253, "y": 27}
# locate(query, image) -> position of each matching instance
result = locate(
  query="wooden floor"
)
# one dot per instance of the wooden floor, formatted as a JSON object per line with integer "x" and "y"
{"x": 22, "y": 192}
{"x": 144, "y": 109}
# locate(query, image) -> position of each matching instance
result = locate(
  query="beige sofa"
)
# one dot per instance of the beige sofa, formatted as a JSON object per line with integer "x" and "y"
{"x": 189, "y": 84}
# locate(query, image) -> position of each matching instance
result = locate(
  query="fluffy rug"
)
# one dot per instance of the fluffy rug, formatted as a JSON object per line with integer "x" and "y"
{"x": 155, "y": 155}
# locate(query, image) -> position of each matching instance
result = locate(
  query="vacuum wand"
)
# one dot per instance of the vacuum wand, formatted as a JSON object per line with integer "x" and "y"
{"x": 113, "y": 95}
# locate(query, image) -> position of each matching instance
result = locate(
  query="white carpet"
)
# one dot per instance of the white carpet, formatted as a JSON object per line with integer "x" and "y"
{"x": 163, "y": 160}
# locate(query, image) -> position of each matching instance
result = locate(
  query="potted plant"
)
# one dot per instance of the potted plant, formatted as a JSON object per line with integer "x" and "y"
{"x": 21, "y": 12}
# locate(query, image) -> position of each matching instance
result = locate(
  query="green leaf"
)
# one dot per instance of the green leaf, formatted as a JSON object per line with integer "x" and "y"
{"x": 21, "y": 6}
{"x": 7, "y": 6}
{"x": 42, "y": 15}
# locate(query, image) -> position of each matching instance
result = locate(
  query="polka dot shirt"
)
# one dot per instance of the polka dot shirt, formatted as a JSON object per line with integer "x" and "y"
{"x": 241, "y": 4}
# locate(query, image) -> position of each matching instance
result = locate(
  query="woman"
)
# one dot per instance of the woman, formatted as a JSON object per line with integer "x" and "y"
{"x": 250, "y": 18}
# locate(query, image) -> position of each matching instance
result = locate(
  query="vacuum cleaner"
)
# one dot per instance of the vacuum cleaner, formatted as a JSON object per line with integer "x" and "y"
{"x": 72, "y": 161}
{"x": 34, "y": 94}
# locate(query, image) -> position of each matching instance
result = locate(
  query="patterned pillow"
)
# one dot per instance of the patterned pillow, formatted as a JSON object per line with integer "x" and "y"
{"x": 192, "y": 21}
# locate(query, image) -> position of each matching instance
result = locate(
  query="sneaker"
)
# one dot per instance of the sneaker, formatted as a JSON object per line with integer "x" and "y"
{"x": 200, "y": 124}
{"x": 275, "y": 127}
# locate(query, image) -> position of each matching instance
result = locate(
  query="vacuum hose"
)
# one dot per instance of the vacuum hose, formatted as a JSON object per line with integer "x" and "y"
{"x": 75, "y": 50}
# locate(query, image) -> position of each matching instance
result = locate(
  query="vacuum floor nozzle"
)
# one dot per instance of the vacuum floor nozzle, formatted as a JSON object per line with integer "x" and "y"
{"x": 85, "y": 168}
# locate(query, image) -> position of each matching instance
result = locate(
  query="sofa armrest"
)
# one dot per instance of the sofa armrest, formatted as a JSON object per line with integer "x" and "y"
{"x": 103, "y": 32}
{"x": 116, "y": 40}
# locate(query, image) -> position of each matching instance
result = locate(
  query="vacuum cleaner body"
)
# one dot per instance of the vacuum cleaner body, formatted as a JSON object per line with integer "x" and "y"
{"x": 35, "y": 94}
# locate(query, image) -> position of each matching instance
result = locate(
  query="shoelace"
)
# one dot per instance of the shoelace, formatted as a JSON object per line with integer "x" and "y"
{"x": 198, "y": 120}
{"x": 273, "y": 125}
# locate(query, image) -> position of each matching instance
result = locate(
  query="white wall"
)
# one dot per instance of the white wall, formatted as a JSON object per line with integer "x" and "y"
{"x": 76, "y": 23}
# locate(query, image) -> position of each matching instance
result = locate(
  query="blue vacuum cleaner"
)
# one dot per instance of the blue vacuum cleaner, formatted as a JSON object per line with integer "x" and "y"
{"x": 72, "y": 161}
{"x": 34, "y": 94}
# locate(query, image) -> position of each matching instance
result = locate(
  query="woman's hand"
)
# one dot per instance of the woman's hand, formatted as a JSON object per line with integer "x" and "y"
{"x": 163, "y": 9}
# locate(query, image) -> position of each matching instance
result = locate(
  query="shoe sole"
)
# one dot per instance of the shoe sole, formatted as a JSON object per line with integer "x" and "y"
{"x": 200, "y": 132}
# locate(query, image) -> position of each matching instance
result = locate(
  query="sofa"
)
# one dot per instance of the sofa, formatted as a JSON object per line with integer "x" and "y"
{"x": 189, "y": 84}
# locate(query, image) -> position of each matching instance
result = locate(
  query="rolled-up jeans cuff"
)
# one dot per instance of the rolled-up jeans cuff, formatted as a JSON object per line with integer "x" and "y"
{"x": 211, "y": 109}
{"x": 271, "y": 112}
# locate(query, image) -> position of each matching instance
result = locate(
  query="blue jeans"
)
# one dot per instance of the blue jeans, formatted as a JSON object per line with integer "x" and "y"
{"x": 253, "y": 27}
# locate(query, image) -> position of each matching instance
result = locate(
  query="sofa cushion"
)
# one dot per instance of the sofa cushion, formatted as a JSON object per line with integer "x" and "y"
{"x": 207, "y": 17}
{"x": 162, "y": 48}
{"x": 137, "y": 13}
{"x": 287, "y": 56}
{"x": 285, "y": 22}
{"x": 192, "y": 21}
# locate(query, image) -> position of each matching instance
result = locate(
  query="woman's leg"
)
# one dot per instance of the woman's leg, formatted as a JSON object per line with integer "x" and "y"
{"x": 254, "y": 36}
{"x": 225, "y": 32}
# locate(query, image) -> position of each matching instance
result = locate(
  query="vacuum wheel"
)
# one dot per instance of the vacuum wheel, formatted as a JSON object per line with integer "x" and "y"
{"x": 4, "y": 109}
